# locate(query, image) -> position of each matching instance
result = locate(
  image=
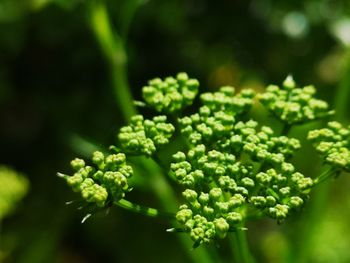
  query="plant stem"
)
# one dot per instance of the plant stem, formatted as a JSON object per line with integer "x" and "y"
{"x": 113, "y": 49}
{"x": 324, "y": 176}
{"x": 144, "y": 210}
{"x": 286, "y": 128}
{"x": 242, "y": 252}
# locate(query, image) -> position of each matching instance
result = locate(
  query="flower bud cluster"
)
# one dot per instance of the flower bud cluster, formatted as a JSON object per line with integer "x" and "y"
{"x": 220, "y": 188}
{"x": 207, "y": 215}
{"x": 206, "y": 125}
{"x": 227, "y": 100}
{"x": 280, "y": 191}
{"x": 294, "y": 105}
{"x": 144, "y": 137}
{"x": 261, "y": 146}
{"x": 13, "y": 187}
{"x": 216, "y": 118}
{"x": 106, "y": 181}
{"x": 171, "y": 94}
{"x": 333, "y": 144}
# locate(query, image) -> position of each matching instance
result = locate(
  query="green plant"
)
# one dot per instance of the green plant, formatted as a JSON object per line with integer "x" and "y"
{"x": 232, "y": 169}
{"x": 13, "y": 187}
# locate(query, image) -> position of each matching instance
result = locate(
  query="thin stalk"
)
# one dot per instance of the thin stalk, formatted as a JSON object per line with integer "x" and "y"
{"x": 324, "y": 176}
{"x": 113, "y": 49}
{"x": 144, "y": 210}
{"x": 241, "y": 251}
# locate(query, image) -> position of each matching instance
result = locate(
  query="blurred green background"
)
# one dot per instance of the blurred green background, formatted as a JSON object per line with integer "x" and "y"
{"x": 57, "y": 102}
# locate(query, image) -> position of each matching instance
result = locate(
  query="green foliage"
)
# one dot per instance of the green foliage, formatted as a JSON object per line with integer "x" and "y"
{"x": 13, "y": 187}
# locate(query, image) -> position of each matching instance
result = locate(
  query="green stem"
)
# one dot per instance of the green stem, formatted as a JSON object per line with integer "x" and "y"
{"x": 113, "y": 49}
{"x": 144, "y": 210}
{"x": 286, "y": 128}
{"x": 242, "y": 252}
{"x": 324, "y": 176}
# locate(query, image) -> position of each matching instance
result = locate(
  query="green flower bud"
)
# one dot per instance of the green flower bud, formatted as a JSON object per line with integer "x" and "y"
{"x": 279, "y": 211}
{"x": 289, "y": 83}
{"x": 98, "y": 158}
{"x": 258, "y": 201}
{"x": 234, "y": 218}
{"x": 203, "y": 198}
{"x": 75, "y": 181}
{"x": 247, "y": 182}
{"x": 236, "y": 200}
{"x": 184, "y": 215}
{"x": 215, "y": 193}
{"x": 296, "y": 202}
{"x": 221, "y": 227}
{"x": 190, "y": 195}
{"x": 77, "y": 164}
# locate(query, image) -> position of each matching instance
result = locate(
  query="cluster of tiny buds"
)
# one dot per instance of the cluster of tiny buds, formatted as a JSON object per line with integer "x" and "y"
{"x": 233, "y": 187}
{"x": 234, "y": 168}
{"x": 207, "y": 216}
{"x": 227, "y": 100}
{"x": 294, "y": 105}
{"x": 206, "y": 125}
{"x": 216, "y": 118}
{"x": 333, "y": 144}
{"x": 106, "y": 181}
{"x": 170, "y": 95}
{"x": 145, "y": 137}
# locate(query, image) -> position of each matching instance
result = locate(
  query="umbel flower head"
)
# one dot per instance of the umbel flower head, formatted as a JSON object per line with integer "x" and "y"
{"x": 294, "y": 105}
{"x": 333, "y": 144}
{"x": 233, "y": 168}
{"x": 13, "y": 187}
{"x": 170, "y": 95}
{"x": 105, "y": 181}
